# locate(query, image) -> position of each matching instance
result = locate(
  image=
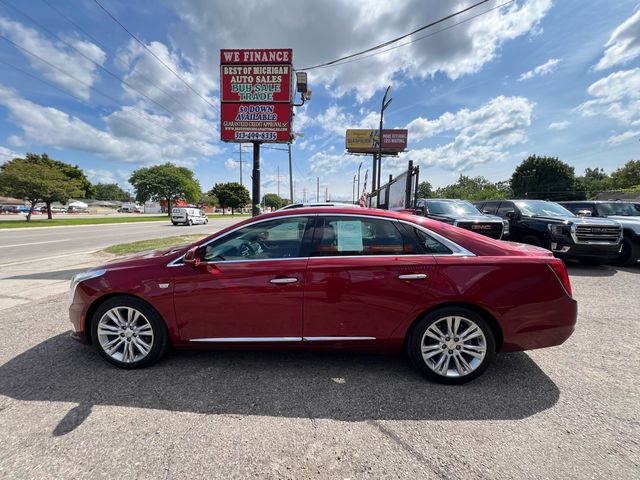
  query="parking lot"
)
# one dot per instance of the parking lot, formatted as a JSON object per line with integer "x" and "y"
{"x": 567, "y": 412}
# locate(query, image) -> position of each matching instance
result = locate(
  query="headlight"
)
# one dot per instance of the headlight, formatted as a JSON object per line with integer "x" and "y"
{"x": 81, "y": 277}
{"x": 556, "y": 229}
{"x": 505, "y": 229}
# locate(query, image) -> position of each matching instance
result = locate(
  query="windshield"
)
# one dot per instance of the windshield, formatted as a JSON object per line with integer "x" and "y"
{"x": 540, "y": 208}
{"x": 452, "y": 208}
{"x": 619, "y": 208}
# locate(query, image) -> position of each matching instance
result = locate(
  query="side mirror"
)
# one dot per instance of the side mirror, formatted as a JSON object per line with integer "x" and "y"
{"x": 583, "y": 213}
{"x": 511, "y": 215}
{"x": 192, "y": 257}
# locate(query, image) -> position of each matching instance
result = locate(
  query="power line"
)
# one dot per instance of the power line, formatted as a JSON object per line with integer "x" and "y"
{"x": 107, "y": 49}
{"x": 2, "y": 37}
{"x": 39, "y": 25}
{"x": 397, "y": 39}
{"x": 422, "y": 37}
{"x": 153, "y": 54}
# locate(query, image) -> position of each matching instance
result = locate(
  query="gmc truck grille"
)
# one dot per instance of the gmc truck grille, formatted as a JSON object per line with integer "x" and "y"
{"x": 597, "y": 234}
{"x": 488, "y": 229}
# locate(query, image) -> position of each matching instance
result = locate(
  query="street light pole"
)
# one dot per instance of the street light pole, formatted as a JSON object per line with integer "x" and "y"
{"x": 358, "y": 191}
{"x": 290, "y": 176}
{"x": 383, "y": 107}
{"x": 353, "y": 190}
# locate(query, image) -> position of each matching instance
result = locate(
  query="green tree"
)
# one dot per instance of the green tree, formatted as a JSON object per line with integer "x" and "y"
{"x": 425, "y": 190}
{"x": 110, "y": 191}
{"x": 80, "y": 185}
{"x": 166, "y": 181}
{"x": 36, "y": 181}
{"x": 594, "y": 181}
{"x": 627, "y": 176}
{"x": 231, "y": 195}
{"x": 476, "y": 188}
{"x": 545, "y": 178}
{"x": 273, "y": 200}
{"x": 207, "y": 200}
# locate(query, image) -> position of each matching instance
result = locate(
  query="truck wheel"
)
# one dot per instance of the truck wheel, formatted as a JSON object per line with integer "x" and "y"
{"x": 629, "y": 254}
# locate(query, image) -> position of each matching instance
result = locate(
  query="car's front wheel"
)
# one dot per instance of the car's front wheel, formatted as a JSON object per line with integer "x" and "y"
{"x": 129, "y": 333}
{"x": 452, "y": 345}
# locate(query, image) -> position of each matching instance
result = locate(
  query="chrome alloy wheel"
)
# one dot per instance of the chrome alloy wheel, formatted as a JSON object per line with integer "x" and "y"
{"x": 125, "y": 334}
{"x": 453, "y": 346}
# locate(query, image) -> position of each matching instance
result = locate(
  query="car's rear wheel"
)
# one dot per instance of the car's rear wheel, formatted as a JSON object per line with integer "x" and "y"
{"x": 129, "y": 333}
{"x": 174, "y": 223}
{"x": 452, "y": 345}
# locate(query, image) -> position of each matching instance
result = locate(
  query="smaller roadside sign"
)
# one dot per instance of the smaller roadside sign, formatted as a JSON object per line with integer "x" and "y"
{"x": 367, "y": 141}
{"x": 251, "y": 122}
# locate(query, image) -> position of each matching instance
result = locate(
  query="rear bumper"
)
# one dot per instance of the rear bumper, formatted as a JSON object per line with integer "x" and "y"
{"x": 547, "y": 327}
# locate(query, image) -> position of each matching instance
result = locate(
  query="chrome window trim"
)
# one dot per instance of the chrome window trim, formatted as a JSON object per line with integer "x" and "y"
{"x": 246, "y": 339}
{"x": 457, "y": 250}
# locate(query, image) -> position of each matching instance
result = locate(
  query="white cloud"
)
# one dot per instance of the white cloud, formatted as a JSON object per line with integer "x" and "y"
{"x": 327, "y": 163}
{"x": 60, "y": 55}
{"x": 616, "y": 96}
{"x": 624, "y": 137}
{"x": 559, "y": 125}
{"x": 317, "y": 34}
{"x": 145, "y": 143}
{"x": 541, "y": 70}
{"x": 623, "y": 45}
{"x": 480, "y": 136}
{"x": 119, "y": 176}
{"x": 7, "y": 154}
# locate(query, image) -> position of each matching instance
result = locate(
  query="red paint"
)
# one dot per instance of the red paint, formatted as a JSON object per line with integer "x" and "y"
{"x": 520, "y": 287}
{"x": 244, "y": 122}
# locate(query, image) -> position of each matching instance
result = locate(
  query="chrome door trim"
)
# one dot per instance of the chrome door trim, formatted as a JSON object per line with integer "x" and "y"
{"x": 413, "y": 276}
{"x": 335, "y": 339}
{"x": 246, "y": 339}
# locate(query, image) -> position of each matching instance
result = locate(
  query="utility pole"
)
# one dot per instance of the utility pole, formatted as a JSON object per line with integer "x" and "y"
{"x": 255, "y": 178}
{"x": 383, "y": 107}
{"x": 326, "y": 194}
{"x": 278, "y": 180}
{"x": 358, "y": 191}
{"x": 240, "y": 163}
{"x": 304, "y": 195}
{"x": 318, "y": 189}
{"x": 290, "y": 175}
{"x": 353, "y": 190}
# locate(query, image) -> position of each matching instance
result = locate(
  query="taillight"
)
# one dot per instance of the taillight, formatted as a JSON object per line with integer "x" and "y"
{"x": 560, "y": 270}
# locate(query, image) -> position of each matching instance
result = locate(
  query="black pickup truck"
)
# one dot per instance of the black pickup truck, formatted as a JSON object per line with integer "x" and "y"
{"x": 462, "y": 214}
{"x": 626, "y": 214}
{"x": 549, "y": 225}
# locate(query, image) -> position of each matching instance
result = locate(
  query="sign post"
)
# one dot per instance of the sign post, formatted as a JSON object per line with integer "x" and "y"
{"x": 256, "y": 101}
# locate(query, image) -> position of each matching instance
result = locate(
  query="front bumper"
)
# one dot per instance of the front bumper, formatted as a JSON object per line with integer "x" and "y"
{"x": 567, "y": 249}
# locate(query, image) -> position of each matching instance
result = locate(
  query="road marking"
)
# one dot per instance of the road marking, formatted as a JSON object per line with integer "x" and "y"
{"x": 48, "y": 258}
{"x": 33, "y": 243}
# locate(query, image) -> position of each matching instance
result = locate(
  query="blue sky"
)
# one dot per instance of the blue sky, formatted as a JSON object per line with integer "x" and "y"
{"x": 557, "y": 78}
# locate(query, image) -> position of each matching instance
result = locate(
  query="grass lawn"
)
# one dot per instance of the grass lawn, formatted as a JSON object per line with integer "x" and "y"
{"x": 156, "y": 243}
{"x": 58, "y": 222}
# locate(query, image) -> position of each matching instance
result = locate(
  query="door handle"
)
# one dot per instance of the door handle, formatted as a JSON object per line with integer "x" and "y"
{"x": 413, "y": 276}
{"x": 283, "y": 280}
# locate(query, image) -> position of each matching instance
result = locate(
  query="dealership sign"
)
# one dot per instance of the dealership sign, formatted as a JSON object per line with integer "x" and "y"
{"x": 255, "y": 95}
{"x": 367, "y": 141}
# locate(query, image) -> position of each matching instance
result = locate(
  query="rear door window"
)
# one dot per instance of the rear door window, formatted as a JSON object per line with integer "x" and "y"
{"x": 353, "y": 236}
{"x": 506, "y": 207}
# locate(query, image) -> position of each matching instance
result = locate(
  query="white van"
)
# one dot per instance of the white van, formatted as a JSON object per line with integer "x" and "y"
{"x": 188, "y": 216}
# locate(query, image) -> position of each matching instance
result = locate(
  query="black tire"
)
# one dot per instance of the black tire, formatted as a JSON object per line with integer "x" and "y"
{"x": 629, "y": 254}
{"x": 160, "y": 339}
{"x": 174, "y": 223}
{"x": 190, "y": 223}
{"x": 418, "y": 335}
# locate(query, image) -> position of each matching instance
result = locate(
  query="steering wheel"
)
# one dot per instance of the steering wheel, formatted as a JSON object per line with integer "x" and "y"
{"x": 246, "y": 249}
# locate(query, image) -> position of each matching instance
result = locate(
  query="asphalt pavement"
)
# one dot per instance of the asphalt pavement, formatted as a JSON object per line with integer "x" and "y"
{"x": 40, "y": 243}
{"x": 571, "y": 411}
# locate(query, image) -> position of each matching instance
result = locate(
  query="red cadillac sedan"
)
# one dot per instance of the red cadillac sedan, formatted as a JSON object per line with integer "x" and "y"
{"x": 331, "y": 278}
